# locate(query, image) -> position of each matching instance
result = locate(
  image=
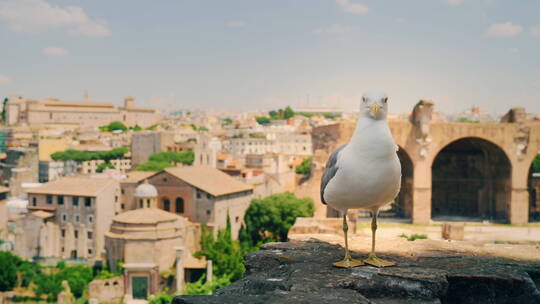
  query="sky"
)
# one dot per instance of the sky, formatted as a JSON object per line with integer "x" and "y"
{"x": 259, "y": 55}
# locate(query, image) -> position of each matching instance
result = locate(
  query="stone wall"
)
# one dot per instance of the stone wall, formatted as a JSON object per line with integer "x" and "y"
{"x": 107, "y": 291}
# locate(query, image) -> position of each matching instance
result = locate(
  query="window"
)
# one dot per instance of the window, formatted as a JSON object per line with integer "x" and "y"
{"x": 140, "y": 203}
{"x": 116, "y": 198}
{"x": 76, "y": 234}
{"x": 208, "y": 212}
{"x": 208, "y": 195}
{"x": 179, "y": 205}
{"x": 199, "y": 195}
{"x": 166, "y": 205}
{"x": 34, "y": 201}
{"x": 90, "y": 219}
{"x": 49, "y": 199}
{"x": 64, "y": 217}
{"x": 60, "y": 200}
{"x": 77, "y": 218}
{"x": 75, "y": 201}
{"x": 90, "y": 235}
{"x": 63, "y": 232}
{"x": 164, "y": 179}
{"x": 88, "y": 202}
{"x": 237, "y": 219}
{"x": 122, "y": 206}
{"x": 148, "y": 203}
{"x": 90, "y": 251}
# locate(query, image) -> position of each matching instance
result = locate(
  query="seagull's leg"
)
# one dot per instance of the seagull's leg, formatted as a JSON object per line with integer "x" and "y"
{"x": 372, "y": 258}
{"x": 348, "y": 261}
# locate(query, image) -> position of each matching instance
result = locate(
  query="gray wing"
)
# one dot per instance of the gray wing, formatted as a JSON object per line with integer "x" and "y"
{"x": 330, "y": 170}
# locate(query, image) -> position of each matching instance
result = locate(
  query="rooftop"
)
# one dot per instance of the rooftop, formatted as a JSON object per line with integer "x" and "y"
{"x": 76, "y": 186}
{"x": 209, "y": 179}
{"x": 145, "y": 216}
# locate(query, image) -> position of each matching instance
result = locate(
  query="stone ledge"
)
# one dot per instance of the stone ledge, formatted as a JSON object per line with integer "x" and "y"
{"x": 302, "y": 272}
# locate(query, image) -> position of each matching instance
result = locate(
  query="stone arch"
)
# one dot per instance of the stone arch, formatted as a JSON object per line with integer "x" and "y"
{"x": 166, "y": 203}
{"x": 533, "y": 187}
{"x": 403, "y": 204}
{"x": 471, "y": 178}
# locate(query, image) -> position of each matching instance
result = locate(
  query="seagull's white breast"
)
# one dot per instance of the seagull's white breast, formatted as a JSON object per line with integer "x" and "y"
{"x": 369, "y": 173}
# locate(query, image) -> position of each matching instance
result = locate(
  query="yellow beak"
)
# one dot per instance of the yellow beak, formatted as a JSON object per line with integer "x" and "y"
{"x": 375, "y": 108}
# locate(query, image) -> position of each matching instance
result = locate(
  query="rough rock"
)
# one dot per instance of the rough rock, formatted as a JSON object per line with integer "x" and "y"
{"x": 302, "y": 272}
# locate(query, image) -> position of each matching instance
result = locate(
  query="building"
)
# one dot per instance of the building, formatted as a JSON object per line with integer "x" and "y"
{"x": 202, "y": 194}
{"x": 3, "y": 213}
{"x": 143, "y": 144}
{"x": 68, "y": 218}
{"x": 288, "y": 144}
{"x": 22, "y": 111}
{"x": 150, "y": 241}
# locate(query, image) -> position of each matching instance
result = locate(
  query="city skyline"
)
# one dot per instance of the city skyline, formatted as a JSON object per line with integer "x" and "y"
{"x": 242, "y": 55}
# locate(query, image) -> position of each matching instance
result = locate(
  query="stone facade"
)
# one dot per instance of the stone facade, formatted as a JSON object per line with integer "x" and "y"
{"x": 107, "y": 291}
{"x": 22, "y": 111}
{"x": 143, "y": 144}
{"x": 502, "y": 145}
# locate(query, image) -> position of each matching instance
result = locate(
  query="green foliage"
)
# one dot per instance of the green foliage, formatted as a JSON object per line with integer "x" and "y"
{"x": 270, "y": 219}
{"x": 202, "y": 287}
{"x": 331, "y": 115}
{"x": 136, "y": 128}
{"x": 101, "y": 167}
{"x": 153, "y": 166}
{"x": 8, "y": 270}
{"x": 80, "y": 156}
{"x": 536, "y": 164}
{"x": 116, "y": 125}
{"x": 288, "y": 113}
{"x": 162, "y": 297}
{"x": 413, "y": 237}
{"x": 227, "y": 121}
{"x": 4, "y": 109}
{"x": 152, "y": 128}
{"x": 262, "y": 120}
{"x": 257, "y": 135}
{"x": 224, "y": 252}
{"x": 29, "y": 272}
{"x": 308, "y": 115}
{"x": 77, "y": 276}
{"x": 305, "y": 166}
{"x": 466, "y": 120}
{"x": 186, "y": 157}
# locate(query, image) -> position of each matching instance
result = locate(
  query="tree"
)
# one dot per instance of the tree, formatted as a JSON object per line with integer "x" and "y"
{"x": 49, "y": 285}
{"x": 101, "y": 167}
{"x": 153, "y": 166}
{"x": 262, "y": 120}
{"x": 136, "y": 128}
{"x": 536, "y": 164}
{"x": 4, "y": 109}
{"x": 8, "y": 270}
{"x": 227, "y": 121}
{"x": 202, "y": 287}
{"x": 116, "y": 125}
{"x": 288, "y": 113}
{"x": 270, "y": 219}
{"x": 78, "y": 277}
{"x": 305, "y": 166}
{"x": 186, "y": 157}
{"x": 225, "y": 253}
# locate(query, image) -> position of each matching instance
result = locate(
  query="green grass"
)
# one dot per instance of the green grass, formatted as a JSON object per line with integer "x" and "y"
{"x": 413, "y": 237}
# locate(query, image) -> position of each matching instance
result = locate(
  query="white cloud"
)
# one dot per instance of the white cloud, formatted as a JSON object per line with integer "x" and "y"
{"x": 535, "y": 31}
{"x": 35, "y": 16}
{"x": 4, "y": 80}
{"x": 334, "y": 29}
{"x": 504, "y": 30}
{"x": 54, "y": 51}
{"x": 351, "y": 7}
{"x": 454, "y": 2}
{"x": 236, "y": 23}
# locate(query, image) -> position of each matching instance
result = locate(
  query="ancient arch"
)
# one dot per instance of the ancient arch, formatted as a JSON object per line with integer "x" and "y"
{"x": 533, "y": 186}
{"x": 471, "y": 178}
{"x": 402, "y": 206}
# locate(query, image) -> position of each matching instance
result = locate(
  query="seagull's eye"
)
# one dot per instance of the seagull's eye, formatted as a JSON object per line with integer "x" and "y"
{"x": 364, "y": 99}
{"x": 385, "y": 99}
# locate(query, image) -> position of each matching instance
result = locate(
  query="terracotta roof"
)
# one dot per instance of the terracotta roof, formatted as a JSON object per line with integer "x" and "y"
{"x": 209, "y": 179}
{"x": 4, "y": 189}
{"x": 145, "y": 216}
{"x": 77, "y": 186}
{"x": 137, "y": 176}
{"x": 42, "y": 214}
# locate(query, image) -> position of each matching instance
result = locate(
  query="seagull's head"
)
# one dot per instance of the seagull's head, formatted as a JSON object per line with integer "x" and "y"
{"x": 374, "y": 105}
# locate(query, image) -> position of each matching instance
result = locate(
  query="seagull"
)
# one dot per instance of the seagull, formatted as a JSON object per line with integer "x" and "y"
{"x": 364, "y": 173}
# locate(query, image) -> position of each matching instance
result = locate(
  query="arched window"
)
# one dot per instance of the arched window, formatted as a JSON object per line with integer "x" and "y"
{"x": 166, "y": 204}
{"x": 141, "y": 203}
{"x": 179, "y": 205}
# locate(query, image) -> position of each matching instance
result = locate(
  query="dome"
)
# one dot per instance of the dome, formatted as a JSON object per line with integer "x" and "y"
{"x": 145, "y": 190}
